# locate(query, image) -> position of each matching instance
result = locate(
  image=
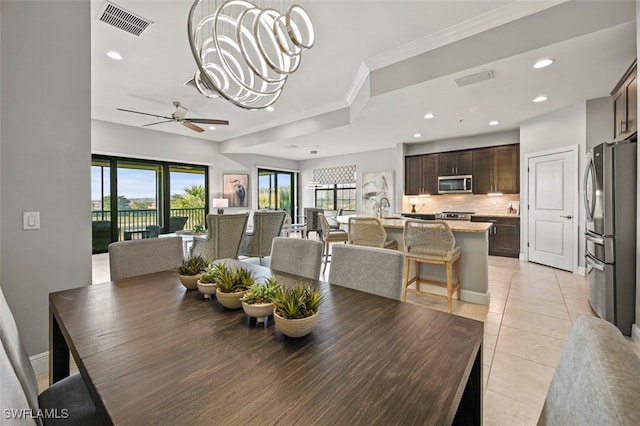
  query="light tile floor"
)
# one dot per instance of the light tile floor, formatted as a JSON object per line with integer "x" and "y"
{"x": 532, "y": 310}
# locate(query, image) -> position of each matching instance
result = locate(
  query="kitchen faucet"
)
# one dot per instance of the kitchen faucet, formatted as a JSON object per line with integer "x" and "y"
{"x": 380, "y": 206}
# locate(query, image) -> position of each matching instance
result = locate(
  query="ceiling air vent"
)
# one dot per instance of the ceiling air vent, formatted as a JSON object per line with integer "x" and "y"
{"x": 474, "y": 78}
{"x": 120, "y": 18}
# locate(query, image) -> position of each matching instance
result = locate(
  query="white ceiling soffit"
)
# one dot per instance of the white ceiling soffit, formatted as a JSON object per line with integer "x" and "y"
{"x": 121, "y": 18}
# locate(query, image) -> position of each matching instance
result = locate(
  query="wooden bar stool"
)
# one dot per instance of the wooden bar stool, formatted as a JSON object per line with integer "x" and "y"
{"x": 431, "y": 242}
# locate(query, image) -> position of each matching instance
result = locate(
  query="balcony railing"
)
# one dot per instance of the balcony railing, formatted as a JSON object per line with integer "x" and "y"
{"x": 132, "y": 220}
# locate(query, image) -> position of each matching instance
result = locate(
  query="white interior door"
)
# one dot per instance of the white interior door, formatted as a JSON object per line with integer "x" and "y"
{"x": 552, "y": 189}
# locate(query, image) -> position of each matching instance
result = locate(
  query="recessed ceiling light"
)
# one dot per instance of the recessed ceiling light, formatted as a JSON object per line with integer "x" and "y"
{"x": 540, "y": 99}
{"x": 269, "y": 108}
{"x": 417, "y": 135}
{"x": 494, "y": 123}
{"x": 114, "y": 55}
{"x": 429, "y": 115}
{"x": 543, "y": 63}
{"x": 212, "y": 128}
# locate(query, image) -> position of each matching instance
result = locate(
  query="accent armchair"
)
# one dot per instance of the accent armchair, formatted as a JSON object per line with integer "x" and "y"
{"x": 224, "y": 236}
{"x": 266, "y": 226}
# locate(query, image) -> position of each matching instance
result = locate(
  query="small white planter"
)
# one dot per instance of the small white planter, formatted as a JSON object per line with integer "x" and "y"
{"x": 258, "y": 310}
{"x": 207, "y": 289}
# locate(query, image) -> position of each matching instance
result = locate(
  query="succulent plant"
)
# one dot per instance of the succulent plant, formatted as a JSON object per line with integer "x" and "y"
{"x": 297, "y": 302}
{"x": 231, "y": 280}
{"x": 261, "y": 293}
{"x": 192, "y": 266}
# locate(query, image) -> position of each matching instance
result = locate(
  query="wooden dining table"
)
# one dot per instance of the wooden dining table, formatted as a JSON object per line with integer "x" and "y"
{"x": 151, "y": 352}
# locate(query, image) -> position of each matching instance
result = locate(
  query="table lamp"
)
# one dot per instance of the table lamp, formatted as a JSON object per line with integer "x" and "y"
{"x": 221, "y": 203}
{"x": 413, "y": 201}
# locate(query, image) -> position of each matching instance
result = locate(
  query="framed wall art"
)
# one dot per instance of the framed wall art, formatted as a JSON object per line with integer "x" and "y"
{"x": 235, "y": 187}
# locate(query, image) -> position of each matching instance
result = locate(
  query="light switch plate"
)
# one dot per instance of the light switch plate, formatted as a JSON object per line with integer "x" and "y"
{"x": 30, "y": 221}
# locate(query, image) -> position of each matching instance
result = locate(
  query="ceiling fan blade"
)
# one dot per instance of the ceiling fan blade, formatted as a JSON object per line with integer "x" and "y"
{"x": 207, "y": 121}
{"x": 192, "y": 126}
{"x": 143, "y": 113}
{"x": 159, "y": 122}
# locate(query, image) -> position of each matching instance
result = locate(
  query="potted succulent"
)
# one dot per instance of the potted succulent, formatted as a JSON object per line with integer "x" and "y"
{"x": 207, "y": 282}
{"x": 191, "y": 270}
{"x": 296, "y": 309}
{"x": 231, "y": 285}
{"x": 257, "y": 301}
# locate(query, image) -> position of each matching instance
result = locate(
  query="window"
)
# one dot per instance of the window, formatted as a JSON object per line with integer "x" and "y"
{"x": 336, "y": 196}
{"x": 277, "y": 190}
{"x": 146, "y": 193}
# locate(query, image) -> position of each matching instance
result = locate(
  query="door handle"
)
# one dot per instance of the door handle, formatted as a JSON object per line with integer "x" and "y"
{"x": 594, "y": 264}
{"x": 594, "y": 239}
{"x": 567, "y": 217}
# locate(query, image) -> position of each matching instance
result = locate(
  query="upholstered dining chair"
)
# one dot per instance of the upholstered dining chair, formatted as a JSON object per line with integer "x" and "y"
{"x": 140, "y": 257}
{"x": 368, "y": 231}
{"x": 224, "y": 236}
{"x": 431, "y": 242}
{"x": 20, "y": 386}
{"x": 266, "y": 226}
{"x": 370, "y": 269}
{"x": 296, "y": 256}
{"x": 330, "y": 236}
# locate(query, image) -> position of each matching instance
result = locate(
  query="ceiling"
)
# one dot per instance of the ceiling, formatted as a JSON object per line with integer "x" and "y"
{"x": 376, "y": 69}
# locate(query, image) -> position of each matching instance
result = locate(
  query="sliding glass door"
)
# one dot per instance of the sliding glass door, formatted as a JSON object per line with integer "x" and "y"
{"x": 134, "y": 198}
{"x": 277, "y": 190}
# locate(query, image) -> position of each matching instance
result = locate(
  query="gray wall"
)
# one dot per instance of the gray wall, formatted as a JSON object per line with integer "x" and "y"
{"x": 635, "y": 332}
{"x": 599, "y": 121}
{"x": 45, "y": 138}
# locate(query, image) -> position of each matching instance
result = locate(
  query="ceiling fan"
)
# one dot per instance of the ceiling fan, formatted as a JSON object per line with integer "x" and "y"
{"x": 179, "y": 117}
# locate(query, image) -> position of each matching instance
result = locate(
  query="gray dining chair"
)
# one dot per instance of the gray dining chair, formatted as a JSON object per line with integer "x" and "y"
{"x": 370, "y": 269}
{"x": 297, "y": 256}
{"x": 20, "y": 386}
{"x": 224, "y": 236}
{"x": 266, "y": 226}
{"x": 140, "y": 257}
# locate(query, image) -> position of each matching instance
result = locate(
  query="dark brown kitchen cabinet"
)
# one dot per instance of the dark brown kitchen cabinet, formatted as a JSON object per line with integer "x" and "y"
{"x": 455, "y": 163}
{"x": 496, "y": 169}
{"x": 625, "y": 108}
{"x": 421, "y": 174}
{"x": 504, "y": 235}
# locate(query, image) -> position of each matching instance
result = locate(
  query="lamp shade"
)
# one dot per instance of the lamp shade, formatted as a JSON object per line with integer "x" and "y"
{"x": 221, "y": 202}
{"x": 413, "y": 200}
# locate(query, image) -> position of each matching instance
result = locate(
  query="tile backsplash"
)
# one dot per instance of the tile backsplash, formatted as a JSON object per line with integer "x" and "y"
{"x": 479, "y": 204}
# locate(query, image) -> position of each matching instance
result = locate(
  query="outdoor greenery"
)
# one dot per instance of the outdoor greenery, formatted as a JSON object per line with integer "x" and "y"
{"x": 193, "y": 198}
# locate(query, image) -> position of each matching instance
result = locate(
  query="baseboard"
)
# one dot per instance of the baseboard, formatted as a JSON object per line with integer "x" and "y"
{"x": 475, "y": 297}
{"x": 635, "y": 333}
{"x": 521, "y": 257}
{"x": 40, "y": 363}
{"x": 582, "y": 271}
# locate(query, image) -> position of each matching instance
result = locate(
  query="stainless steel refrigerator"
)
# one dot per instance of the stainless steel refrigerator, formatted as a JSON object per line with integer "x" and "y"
{"x": 610, "y": 230}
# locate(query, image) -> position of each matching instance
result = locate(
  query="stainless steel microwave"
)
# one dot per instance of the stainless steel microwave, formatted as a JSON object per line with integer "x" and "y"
{"x": 455, "y": 184}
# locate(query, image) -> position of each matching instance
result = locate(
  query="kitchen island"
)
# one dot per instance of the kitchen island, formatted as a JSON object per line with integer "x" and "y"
{"x": 473, "y": 240}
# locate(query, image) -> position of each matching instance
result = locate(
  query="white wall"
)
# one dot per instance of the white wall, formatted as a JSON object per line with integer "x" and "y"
{"x": 44, "y": 156}
{"x": 383, "y": 160}
{"x": 562, "y": 128}
{"x": 467, "y": 142}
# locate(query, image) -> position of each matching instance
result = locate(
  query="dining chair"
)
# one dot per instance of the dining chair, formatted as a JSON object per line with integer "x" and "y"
{"x": 368, "y": 231}
{"x": 330, "y": 236}
{"x": 297, "y": 256}
{"x": 224, "y": 236}
{"x": 177, "y": 223}
{"x": 266, "y": 226}
{"x": 20, "y": 386}
{"x": 100, "y": 235}
{"x": 312, "y": 222}
{"x": 431, "y": 242}
{"x": 146, "y": 256}
{"x": 370, "y": 269}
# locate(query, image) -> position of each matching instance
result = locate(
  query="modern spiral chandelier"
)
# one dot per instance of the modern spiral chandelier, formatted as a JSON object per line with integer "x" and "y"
{"x": 245, "y": 53}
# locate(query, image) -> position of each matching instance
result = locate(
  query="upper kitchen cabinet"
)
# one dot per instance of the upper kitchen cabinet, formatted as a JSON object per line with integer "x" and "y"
{"x": 496, "y": 169}
{"x": 455, "y": 163}
{"x": 421, "y": 174}
{"x": 625, "y": 109}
